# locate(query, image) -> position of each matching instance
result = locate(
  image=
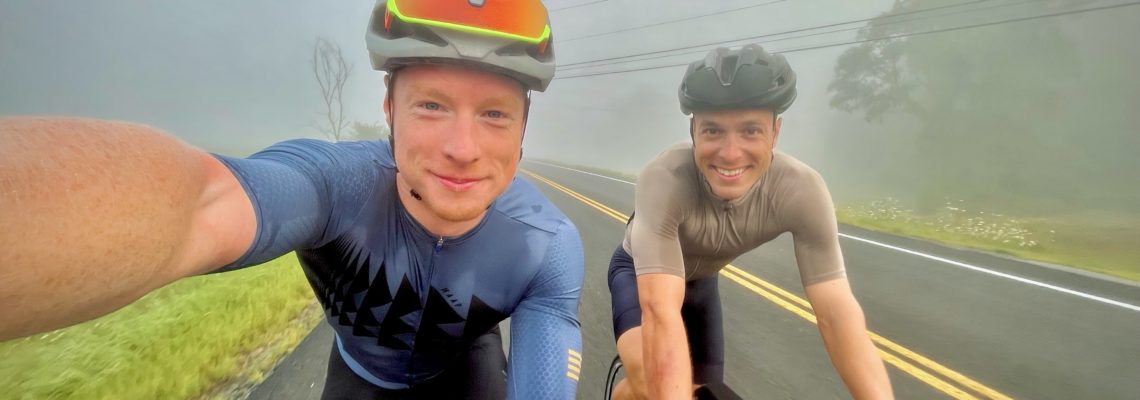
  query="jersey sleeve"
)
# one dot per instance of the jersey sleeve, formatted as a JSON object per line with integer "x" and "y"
{"x": 546, "y": 340}
{"x": 659, "y": 209}
{"x": 810, "y": 215}
{"x": 304, "y": 192}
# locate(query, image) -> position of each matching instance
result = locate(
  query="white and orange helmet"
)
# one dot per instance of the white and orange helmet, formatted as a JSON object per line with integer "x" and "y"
{"x": 510, "y": 37}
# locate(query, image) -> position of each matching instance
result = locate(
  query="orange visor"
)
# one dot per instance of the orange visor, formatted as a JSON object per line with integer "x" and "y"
{"x": 523, "y": 20}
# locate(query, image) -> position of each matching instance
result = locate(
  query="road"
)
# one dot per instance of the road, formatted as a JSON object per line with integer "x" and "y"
{"x": 951, "y": 323}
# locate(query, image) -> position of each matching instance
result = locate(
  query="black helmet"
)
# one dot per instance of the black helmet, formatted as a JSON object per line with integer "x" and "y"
{"x": 744, "y": 78}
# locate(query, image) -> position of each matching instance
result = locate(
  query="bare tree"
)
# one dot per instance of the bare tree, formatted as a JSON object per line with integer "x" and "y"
{"x": 332, "y": 72}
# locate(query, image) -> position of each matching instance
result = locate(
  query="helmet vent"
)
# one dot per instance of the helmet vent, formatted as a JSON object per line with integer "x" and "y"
{"x": 728, "y": 69}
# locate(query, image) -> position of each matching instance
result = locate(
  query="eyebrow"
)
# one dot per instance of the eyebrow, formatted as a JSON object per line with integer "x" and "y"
{"x": 430, "y": 92}
{"x": 497, "y": 101}
{"x": 754, "y": 124}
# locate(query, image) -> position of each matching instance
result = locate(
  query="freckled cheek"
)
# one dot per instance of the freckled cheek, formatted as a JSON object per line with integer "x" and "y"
{"x": 421, "y": 139}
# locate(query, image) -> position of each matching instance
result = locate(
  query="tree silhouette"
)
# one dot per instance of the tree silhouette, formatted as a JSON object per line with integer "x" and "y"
{"x": 331, "y": 71}
{"x": 985, "y": 100}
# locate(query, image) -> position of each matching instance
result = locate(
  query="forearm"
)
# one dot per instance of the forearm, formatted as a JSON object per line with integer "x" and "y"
{"x": 668, "y": 368}
{"x": 854, "y": 356}
{"x": 95, "y": 214}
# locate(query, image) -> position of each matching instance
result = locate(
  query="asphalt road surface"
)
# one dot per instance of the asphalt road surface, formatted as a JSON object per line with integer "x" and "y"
{"x": 950, "y": 323}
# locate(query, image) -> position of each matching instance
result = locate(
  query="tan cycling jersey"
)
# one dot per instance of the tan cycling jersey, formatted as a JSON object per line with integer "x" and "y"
{"x": 681, "y": 228}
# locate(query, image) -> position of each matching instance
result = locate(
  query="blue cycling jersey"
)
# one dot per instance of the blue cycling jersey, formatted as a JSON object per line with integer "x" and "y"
{"x": 405, "y": 303}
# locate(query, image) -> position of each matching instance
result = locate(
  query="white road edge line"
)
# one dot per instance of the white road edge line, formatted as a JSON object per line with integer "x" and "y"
{"x": 931, "y": 257}
{"x": 996, "y": 273}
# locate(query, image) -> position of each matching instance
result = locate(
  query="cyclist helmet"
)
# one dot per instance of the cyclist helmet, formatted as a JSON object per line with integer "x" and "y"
{"x": 511, "y": 37}
{"x": 748, "y": 77}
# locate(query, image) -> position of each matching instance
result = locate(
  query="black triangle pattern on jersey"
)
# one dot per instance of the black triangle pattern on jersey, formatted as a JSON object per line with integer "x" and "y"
{"x": 334, "y": 294}
{"x": 378, "y": 293}
{"x": 480, "y": 318}
{"x": 327, "y": 275}
{"x": 356, "y": 289}
{"x": 436, "y": 312}
{"x": 353, "y": 280}
{"x": 378, "y": 296}
{"x": 405, "y": 302}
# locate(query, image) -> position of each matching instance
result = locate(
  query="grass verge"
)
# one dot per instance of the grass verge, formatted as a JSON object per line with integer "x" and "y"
{"x": 182, "y": 341}
{"x": 1099, "y": 243}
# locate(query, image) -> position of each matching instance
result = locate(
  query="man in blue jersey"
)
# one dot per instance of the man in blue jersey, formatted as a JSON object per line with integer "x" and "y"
{"x": 417, "y": 248}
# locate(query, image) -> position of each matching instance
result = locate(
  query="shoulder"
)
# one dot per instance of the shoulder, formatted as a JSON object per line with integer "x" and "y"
{"x": 670, "y": 183}
{"x": 673, "y": 165}
{"x": 320, "y": 151}
{"x": 525, "y": 204}
{"x": 797, "y": 191}
{"x": 788, "y": 175}
{"x": 552, "y": 241}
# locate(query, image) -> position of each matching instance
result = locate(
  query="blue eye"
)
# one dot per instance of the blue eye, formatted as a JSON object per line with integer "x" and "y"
{"x": 431, "y": 106}
{"x": 495, "y": 114}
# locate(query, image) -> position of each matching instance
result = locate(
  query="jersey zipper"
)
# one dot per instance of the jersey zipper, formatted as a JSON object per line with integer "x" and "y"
{"x": 425, "y": 293}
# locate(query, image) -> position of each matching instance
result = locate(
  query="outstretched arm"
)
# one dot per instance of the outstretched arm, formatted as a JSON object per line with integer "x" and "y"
{"x": 665, "y": 346}
{"x": 844, "y": 331}
{"x": 840, "y": 319}
{"x": 96, "y": 214}
{"x": 546, "y": 339}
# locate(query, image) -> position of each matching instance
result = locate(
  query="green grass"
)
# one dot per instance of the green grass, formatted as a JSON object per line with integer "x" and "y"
{"x": 182, "y": 341}
{"x": 1104, "y": 243}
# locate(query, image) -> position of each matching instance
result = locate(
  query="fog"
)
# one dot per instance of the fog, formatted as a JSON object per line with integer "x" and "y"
{"x": 227, "y": 76}
{"x": 1029, "y": 113}
{"x": 994, "y": 102}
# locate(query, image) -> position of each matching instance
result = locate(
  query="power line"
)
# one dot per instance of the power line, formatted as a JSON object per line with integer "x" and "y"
{"x": 577, "y": 5}
{"x": 671, "y": 21}
{"x": 577, "y": 67}
{"x": 775, "y": 33}
{"x": 899, "y": 36}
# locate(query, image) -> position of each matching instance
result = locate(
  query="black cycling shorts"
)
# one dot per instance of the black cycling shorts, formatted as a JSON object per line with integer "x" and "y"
{"x": 478, "y": 374}
{"x": 700, "y": 311}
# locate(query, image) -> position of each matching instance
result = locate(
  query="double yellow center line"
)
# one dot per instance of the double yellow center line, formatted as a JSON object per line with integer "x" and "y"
{"x": 936, "y": 375}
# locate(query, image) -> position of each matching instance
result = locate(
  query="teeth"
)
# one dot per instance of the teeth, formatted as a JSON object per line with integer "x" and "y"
{"x": 730, "y": 172}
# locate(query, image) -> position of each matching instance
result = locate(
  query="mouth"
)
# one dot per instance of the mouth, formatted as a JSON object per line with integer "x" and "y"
{"x": 457, "y": 184}
{"x": 729, "y": 173}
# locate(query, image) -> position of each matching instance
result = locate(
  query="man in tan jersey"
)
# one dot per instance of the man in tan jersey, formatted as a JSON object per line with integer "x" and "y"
{"x": 700, "y": 206}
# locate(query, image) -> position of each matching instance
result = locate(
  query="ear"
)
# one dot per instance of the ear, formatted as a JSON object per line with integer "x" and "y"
{"x": 776, "y": 129}
{"x": 388, "y": 100}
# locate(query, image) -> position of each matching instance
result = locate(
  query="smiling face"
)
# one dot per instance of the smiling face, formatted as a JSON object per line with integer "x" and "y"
{"x": 458, "y": 137}
{"x": 733, "y": 148}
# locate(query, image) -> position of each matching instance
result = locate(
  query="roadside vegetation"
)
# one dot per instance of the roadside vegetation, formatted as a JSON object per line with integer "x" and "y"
{"x": 186, "y": 340}
{"x": 1100, "y": 243}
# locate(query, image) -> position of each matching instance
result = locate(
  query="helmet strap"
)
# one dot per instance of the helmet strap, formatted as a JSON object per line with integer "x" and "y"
{"x": 392, "y": 129}
{"x": 526, "y": 116}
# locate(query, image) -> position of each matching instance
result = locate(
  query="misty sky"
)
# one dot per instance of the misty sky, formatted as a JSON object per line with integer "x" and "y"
{"x": 234, "y": 76}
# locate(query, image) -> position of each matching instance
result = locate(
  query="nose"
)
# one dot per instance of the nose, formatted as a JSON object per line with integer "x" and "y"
{"x": 462, "y": 145}
{"x": 730, "y": 150}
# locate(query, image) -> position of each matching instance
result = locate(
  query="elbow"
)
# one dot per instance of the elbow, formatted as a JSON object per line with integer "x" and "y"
{"x": 850, "y": 317}
{"x": 660, "y": 310}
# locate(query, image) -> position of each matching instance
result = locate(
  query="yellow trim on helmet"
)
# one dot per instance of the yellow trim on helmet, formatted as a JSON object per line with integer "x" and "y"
{"x": 469, "y": 29}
